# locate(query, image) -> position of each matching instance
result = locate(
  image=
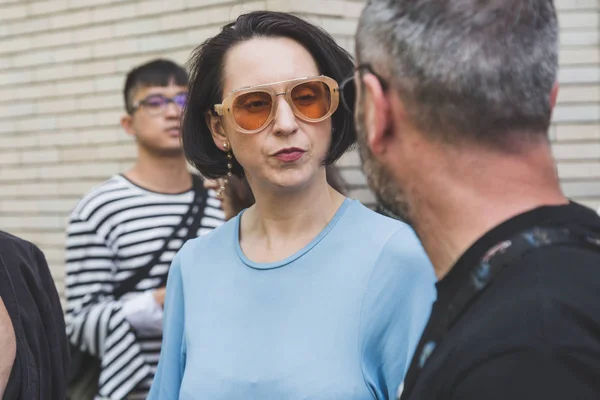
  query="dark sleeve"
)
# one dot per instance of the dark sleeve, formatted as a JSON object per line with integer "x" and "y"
{"x": 53, "y": 322}
{"x": 530, "y": 374}
{"x": 43, "y": 355}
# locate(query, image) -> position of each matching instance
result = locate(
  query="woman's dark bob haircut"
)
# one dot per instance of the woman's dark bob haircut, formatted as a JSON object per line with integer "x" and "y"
{"x": 206, "y": 84}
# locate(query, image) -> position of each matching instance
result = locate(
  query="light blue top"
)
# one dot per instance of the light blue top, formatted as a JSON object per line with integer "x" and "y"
{"x": 339, "y": 319}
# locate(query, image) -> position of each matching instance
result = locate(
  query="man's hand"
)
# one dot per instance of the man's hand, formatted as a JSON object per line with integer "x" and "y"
{"x": 159, "y": 296}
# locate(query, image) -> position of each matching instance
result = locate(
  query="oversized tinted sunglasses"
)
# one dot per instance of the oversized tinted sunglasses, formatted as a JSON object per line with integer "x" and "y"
{"x": 251, "y": 109}
{"x": 156, "y": 104}
{"x": 348, "y": 86}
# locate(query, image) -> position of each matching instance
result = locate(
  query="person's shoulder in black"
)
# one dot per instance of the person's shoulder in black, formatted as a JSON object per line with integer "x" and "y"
{"x": 31, "y": 299}
{"x": 534, "y": 333}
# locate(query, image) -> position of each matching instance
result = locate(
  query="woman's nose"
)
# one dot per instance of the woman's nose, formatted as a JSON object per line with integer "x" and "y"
{"x": 285, "y": 120}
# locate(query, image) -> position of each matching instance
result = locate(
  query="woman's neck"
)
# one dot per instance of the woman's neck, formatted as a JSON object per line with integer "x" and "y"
{"x": 279, "y": 224}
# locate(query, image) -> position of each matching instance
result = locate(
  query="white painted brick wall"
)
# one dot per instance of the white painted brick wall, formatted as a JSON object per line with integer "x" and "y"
{"x": 62, "y": 66}
{"x": 577, "y": 115}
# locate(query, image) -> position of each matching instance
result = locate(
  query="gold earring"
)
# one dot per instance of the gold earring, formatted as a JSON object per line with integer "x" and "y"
{"x": 225, "y": 181}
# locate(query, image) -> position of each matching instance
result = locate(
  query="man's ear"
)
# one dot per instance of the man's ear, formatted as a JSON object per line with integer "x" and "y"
{"x": 377, "y": 114}
{"x": 217, "y": 130}
{"x": 127, "y": 124}
{"x": 554, "y": 95}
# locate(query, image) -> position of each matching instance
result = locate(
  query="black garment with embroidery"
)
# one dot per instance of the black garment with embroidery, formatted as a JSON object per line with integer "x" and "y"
{"x": 30, "y": 296}
{"x": 532, "y": 333}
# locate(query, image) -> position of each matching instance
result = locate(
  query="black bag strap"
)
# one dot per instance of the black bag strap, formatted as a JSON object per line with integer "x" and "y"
{"x": 191, "y": 233}
{"x": 129, "y": 284}
{"x": 481, "y": 275}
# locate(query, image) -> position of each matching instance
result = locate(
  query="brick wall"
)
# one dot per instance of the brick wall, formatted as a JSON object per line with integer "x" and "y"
{"x": 62, "y": 66}
{"x": 576, "y": 132}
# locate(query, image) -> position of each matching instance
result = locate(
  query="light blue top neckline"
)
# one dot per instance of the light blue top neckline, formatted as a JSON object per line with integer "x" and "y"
{"x": 278, "y": 264}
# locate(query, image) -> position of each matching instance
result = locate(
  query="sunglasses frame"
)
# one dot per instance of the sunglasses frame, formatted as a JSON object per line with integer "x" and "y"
{"x": 143, "y": 102}
{"x": 351, "y": 81}
{"x": 225, "y": 109}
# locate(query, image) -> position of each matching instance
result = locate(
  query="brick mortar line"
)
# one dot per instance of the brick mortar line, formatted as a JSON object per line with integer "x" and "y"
{"x": 58, "y": 129}
{"x": 101, "y": 41}
{"x": 38, "y": 214}
{"x": 575, "y": 141}
{"x": 110, "y": 57}
{"x": 101, "y": 58}
{"x": 581, "y": 180}
{"x": 90, "y": 24}
{"x": 57, "y": 96}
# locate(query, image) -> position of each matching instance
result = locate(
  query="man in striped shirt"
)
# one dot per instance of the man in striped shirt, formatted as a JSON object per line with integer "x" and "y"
{"x": 131, "y": 226}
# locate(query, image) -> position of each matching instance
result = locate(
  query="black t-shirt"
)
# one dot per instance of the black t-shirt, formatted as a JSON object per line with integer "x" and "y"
{"x": 533, "y": 333}
{"x": 29, "y": 294}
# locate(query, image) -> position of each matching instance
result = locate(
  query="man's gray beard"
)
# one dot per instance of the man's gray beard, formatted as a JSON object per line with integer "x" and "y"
{"x": 387, "y": 193}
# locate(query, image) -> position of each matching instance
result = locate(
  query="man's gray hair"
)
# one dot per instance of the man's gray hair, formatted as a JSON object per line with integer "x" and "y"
{"x": 471, "y": 70}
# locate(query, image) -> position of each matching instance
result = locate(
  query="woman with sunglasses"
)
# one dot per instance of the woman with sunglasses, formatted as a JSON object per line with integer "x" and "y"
{"x": 306, "y": 294}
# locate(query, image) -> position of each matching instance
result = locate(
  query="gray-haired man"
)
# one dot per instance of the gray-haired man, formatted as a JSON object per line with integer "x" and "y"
{"x": 454, "y": 103}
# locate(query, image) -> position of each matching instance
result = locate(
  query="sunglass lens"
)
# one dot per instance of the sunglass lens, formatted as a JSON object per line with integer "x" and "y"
{"x": 251, "y": 110}
{"x": 180, "y": 99}
{"x": 312, "y": 99}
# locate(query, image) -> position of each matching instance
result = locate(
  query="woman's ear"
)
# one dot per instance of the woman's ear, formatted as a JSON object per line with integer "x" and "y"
{"x": 217, "y": 130}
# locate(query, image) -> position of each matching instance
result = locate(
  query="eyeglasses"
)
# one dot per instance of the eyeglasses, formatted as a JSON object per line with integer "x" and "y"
{"x": 156, "y": 104}
{"x": 348, "y": 87}
{"x": 250, "y": 109}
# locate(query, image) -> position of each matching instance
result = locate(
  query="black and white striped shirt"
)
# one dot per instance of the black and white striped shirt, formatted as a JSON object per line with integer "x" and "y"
{"x": 112, "y": 232}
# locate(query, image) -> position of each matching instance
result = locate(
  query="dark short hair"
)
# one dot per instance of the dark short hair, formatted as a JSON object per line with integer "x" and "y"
{"x": 206, "y": 84}
{"x": 474, "y": 70}
{"x": 159, "y": 72}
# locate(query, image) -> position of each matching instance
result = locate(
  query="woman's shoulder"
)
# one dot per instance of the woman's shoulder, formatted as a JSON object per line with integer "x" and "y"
{"x": 404, "y": 253}
{"x": 399, "y": 245}
{"x": 211, "y": 243}
{"x": 373, "y": 224}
